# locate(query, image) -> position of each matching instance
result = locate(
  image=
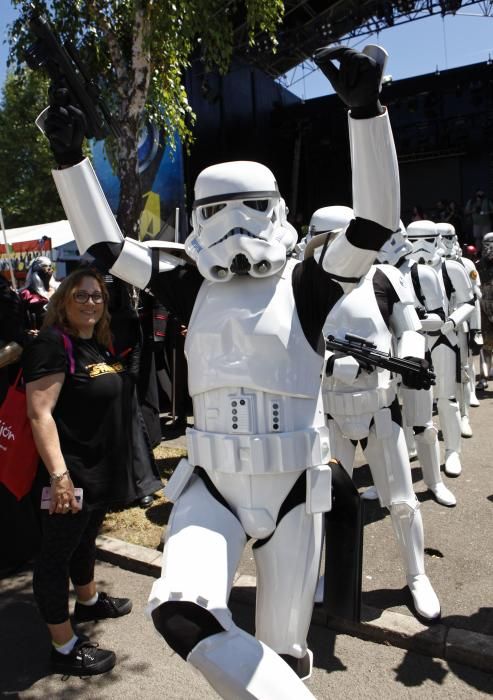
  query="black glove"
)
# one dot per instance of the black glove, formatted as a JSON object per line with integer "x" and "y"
{"x": 423, "y": 380}
{"x": 65, "y": 127}
{"x": 421, "y": 312}
{"x": 475, "y": 342}
{"x": 356, "y": 81}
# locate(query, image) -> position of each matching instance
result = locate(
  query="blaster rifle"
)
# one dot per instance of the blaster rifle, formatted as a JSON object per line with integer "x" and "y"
{"x": 64, "y": 67}
{"x": 366, "y": 352}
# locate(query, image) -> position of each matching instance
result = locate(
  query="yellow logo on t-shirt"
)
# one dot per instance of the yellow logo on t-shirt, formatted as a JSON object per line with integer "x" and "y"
{"x": 103, "y": 368}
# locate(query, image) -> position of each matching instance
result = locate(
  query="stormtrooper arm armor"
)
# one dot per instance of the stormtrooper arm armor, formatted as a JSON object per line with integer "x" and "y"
{"x": 433, "y": 297}
{"x": 433, "y": 320}
{"x": 94, "y": 225}
{"x": 475, "y": 317}
{"x": 406, "y": 325}
{"x": 461, "y": 313}
{"x": 376, "y": 198}
{"x": 375, "y": 173}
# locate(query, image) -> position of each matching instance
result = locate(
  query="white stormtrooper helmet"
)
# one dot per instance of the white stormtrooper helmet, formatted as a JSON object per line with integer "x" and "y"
{"x": 395, "y": 248}
{"x": 325, "y": 224}
{"x": 239, "y": 222}
{"x": 425, "y": 240}
{"x": 448, "y": 240}
{"x": 487, "y": 246}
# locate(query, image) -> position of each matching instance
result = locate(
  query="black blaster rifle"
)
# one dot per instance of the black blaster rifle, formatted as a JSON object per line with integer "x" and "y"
{"x": 416, "y": 371}
{"x": 64, "y": 67}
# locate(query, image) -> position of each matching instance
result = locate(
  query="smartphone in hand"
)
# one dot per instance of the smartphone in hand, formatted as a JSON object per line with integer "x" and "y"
{"x": 46, "y": 497}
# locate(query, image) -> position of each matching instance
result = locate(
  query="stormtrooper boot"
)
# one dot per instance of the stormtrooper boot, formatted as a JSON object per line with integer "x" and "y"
{"x": 448, "y": 411}
{"x": 465, "y": 425}
{"x": 240, "y": 667}
{"x": 408, "y": 527}
{"x": 473, "y": 399}
{"x": 429, "y": 459}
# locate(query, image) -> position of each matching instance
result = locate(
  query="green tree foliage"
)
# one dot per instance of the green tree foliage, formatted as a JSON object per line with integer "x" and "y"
{"x": 140, "y": 50}
{"x": 27, "y": 193}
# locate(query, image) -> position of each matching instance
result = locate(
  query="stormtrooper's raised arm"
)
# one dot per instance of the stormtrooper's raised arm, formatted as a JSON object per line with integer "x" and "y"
{"x": 375, "y": 174}
{"x": 93, "y": 224}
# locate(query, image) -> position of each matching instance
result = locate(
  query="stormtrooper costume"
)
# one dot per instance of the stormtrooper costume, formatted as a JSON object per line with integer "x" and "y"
{"x": 469, "y": 333}
{"x": 458, "y": 305}
{"x": 362, "y": 406}
{"x": 417, "y": 405}
{"x": 485, "y": 270}
{"x": 258, "y": 453}
{"x": 319, "y": 235}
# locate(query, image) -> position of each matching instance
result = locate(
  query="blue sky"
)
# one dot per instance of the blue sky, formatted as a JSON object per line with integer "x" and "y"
{"x": 414, "y": 48}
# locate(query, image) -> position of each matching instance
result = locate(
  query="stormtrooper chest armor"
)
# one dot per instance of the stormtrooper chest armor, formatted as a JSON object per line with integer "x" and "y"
{"x": 254, "y": 379}
{"x": 246, "y": 333}
{"x": 358, "y": 313}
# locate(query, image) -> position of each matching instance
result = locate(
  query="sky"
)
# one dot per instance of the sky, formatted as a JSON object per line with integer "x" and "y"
{"x": 415, "y": 48}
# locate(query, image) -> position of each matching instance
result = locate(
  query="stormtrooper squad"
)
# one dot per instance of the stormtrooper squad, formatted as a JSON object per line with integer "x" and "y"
{"x": 258, "y": 453}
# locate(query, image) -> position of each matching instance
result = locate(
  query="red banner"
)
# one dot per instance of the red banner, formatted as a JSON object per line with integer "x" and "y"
{"x": 21, "y": 256}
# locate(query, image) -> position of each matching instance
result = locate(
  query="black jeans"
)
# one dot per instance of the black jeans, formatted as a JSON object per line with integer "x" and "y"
{"x": 68, "y": 550}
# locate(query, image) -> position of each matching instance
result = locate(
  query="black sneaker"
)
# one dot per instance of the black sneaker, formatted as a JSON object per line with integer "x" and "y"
{"x": 106, "y": 606}
{"x": 85, "y": 659}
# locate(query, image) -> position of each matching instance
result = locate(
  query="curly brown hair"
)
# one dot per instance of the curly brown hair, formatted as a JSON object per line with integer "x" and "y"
{"x": 56, "y": 314}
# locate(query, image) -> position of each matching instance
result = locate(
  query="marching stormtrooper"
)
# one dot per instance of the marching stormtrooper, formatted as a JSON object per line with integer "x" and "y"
{"x": 469, "y": 335}
{"x": 417, "y": 405}
{"x": 458, "y": 305}
{"x": 361, "y": 402}
{"x": 258, "y": 452}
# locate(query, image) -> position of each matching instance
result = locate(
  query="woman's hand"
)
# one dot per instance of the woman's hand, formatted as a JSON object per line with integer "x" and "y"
{"x": 62, "y": 497}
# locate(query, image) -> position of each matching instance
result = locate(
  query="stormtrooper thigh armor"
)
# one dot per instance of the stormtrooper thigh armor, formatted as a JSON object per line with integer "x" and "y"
{"x": 444, "y": 361}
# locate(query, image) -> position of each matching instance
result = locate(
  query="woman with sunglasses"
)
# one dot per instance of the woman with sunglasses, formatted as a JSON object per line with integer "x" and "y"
{"x": 76, "y": 397}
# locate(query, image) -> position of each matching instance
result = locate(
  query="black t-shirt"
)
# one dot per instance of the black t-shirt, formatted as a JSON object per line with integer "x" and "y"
{"x": 92, "y": 414}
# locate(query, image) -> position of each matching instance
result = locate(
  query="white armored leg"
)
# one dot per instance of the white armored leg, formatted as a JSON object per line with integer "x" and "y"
{"x": 341, "y": 447}
{"x": 465, "y": 394}
{"x": 389, "y": 463}
{"x": 288, "y": 566}
{"x": 408, "y": 527}
{"x": 239, "y": 667}
{"x": 429, "y": 458}
{"x": 449, "y": 413}
{"x": 473, "y": 399}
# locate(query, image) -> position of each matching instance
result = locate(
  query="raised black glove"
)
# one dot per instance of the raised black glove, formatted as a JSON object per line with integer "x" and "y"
{"x": 356, "y": 81}
{"x": 65, "y": 126}
{"x": 423, "y": 380}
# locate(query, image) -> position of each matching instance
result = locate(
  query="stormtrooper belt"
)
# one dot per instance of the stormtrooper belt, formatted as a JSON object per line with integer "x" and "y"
{"x": 357, "y": 403}
{"x": 267, "y": 453}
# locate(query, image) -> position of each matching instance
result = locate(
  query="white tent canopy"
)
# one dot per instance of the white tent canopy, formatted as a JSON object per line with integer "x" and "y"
{"x": 59, "y": 232}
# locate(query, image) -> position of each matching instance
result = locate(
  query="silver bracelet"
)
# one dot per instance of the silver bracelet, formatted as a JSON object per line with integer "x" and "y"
{"x": 58, "y": 477}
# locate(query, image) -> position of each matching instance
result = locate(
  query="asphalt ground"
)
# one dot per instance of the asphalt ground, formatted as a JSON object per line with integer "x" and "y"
{"x": 344, "y": 666}
{"x": 451, "y": 659}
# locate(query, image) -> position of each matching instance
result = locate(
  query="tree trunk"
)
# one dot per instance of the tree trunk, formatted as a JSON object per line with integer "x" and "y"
{"x": 130, "y": 205}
